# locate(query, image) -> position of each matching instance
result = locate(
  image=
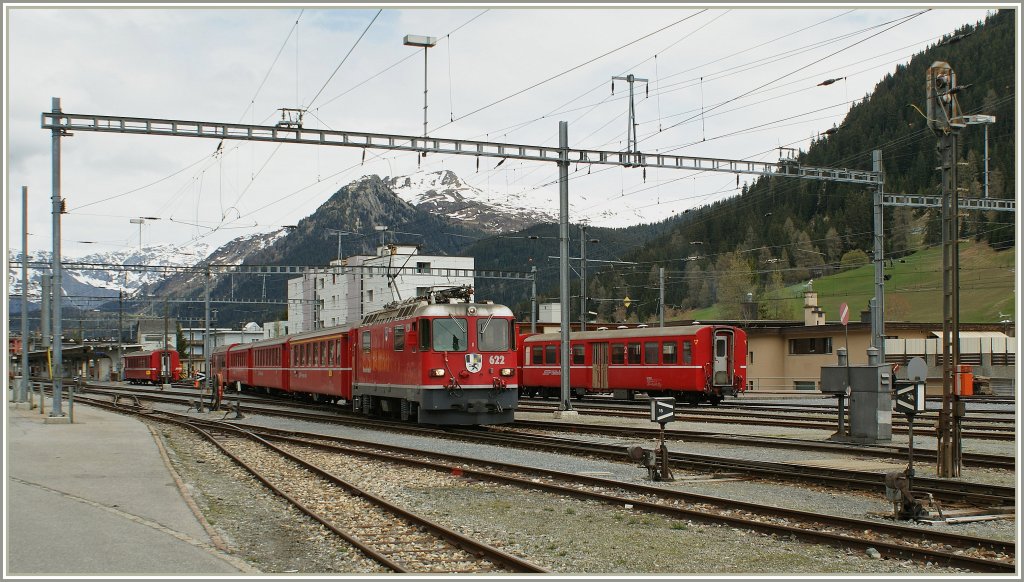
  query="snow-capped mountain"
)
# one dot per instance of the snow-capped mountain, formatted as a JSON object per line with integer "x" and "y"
{"x": 82, "y": 284}
{"x": 100, "y": 282}
{"x": 446, "y": 194}
{"x": 232, "y": 253}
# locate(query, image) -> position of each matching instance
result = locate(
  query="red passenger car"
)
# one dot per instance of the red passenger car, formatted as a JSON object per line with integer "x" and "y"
{"x": 152, "y": 367}
{"x": 691, "y": 363}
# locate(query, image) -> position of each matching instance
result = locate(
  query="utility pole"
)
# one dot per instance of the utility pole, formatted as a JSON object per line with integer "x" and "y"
{"x": 563, "y": 243}
{"x": 533, "y": 299}
{"x": 878, "y": 306}
{"x": 631, "y": 146}
{"x": 45, "y": 329}
{"x": 661, "y": 296}
{"x": 583, "y": 277}
{"x": 22, "y": 392}
{"x": 58, "y": 367}
{"x": 945, "y": 120}
{"x": 165, "y": 358}
{"x": 120, "y": 334}
{"x": 206, "y": 342}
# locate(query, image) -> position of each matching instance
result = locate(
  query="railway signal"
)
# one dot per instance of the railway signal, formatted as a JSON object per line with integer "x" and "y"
{"x": 662, "y": 410}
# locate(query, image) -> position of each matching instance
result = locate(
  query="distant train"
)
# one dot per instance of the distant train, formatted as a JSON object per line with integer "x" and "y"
{"x": 443, "y": 359}
{"x": 152, "y": 367}
{"x": 691, "y": 363}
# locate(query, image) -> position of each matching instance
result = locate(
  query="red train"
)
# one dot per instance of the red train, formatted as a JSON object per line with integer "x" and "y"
{"x": 691, "y": 363}
{"x": 152, "y": 367}
{"x": 444, "y": 359}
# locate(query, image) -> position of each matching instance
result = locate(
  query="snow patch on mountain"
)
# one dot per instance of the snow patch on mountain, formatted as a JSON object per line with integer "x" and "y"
{"x": 444, "y": 193}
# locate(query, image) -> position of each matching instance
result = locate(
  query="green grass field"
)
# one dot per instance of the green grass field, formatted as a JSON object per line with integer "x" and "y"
{"x": 913, "y": 293}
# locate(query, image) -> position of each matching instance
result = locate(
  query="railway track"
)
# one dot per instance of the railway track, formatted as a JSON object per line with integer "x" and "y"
{"x": 990, "y": 429}
{"x": 397, "y": 539}
{"x": 890, "y": 539}
{"x": 941, "y": 489}
{"x": 876, "y": 451}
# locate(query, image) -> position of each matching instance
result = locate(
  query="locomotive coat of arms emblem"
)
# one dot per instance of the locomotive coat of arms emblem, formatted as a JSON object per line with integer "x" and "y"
{"x": 474, "y": 362}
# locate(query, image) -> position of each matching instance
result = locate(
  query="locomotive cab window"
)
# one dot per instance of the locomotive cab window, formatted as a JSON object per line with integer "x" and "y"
{"x": 687, "y": 352}
{"x": 366, "y": 341}
{"x": 450, "y": 334}
{"x": 493, "y": 334}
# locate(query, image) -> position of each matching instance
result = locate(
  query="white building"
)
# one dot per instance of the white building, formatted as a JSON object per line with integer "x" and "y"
{"x": 348, "y": 289}
{"x": 273, "y": 329}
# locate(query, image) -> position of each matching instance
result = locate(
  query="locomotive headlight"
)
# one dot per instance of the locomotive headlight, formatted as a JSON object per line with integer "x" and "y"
{"x": 506, "y": 371}
{"x": 437, "y": 372}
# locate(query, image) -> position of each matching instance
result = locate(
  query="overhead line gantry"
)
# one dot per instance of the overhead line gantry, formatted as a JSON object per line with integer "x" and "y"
{"x": 62, "y": 124}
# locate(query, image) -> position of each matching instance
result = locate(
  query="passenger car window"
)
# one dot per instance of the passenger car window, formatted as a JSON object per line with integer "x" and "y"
{"x": 669, "y": 352}
{"x": 577, "y": 354}
{"x": 650, "y": 352}
{"x": 618, "y": 354}
{"x": 634, "y": 353}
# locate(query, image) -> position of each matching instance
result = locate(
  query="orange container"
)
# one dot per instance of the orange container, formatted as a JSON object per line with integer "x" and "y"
{"x": 965, "y": 380}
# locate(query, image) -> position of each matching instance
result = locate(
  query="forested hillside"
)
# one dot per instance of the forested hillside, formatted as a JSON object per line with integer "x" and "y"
{"x": 781, "y": 231}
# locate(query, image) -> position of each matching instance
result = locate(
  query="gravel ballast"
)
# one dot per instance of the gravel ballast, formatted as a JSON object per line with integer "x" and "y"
{"x": 567, "y": 536}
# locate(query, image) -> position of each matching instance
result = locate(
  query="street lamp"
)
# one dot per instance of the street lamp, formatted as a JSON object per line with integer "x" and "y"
{"x": 425, "y": 42}
{"x": 985, "y": 120}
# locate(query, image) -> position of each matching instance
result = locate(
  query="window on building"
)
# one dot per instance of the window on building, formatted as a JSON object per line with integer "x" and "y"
{"x": 805, "y": 385}
{"x": 810, "y": 345}
{"x": 422, "y": 267}
{"x": 369, "y": 296}
{"x": 422, "y": 291}
{"x": 650, "y": 352}
{"x": 618, "y": 354}
{"x": 634, "y": 353}
{"x": 577, "y": 354}
{"x": 669, "y": 352}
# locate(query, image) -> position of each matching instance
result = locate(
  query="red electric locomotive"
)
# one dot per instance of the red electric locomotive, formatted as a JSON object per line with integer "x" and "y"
{"x": 439, "y": 360}
{"x": 691, "y": 363}
{"x": 447, "y": 360}
{"x": 152, "y": 367}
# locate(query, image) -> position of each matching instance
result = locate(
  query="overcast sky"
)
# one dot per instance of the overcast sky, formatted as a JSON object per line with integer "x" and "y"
{"x": 728, "y": 83}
